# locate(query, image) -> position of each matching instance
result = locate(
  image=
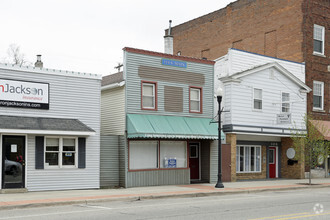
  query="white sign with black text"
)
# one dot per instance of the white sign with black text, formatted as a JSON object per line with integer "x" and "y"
{"x": 23, "y": 94}
{"x": 284, "y": 118}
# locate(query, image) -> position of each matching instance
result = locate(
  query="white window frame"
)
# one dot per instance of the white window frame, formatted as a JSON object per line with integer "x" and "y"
{"x": 199, "y": 100}
{"x": 255, "y": 159}
{"x": 257, "y": 109}
{"x": 285, "y": 102}
{"x": 323, "y": 37}
{"x": 153, "y": 84}
{"x": 322, "y": 95}
{"x": 60, "y": 151}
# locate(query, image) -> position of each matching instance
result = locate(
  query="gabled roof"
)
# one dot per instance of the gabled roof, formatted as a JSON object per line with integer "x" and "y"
{"x": 113, "y": 78}
{"x": 255, "y": 69}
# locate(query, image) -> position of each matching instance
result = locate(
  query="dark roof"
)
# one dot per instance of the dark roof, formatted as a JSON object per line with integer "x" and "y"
{"x": 113, "y": 78}
{"x": 170, "y": 56}
{"x": 34, "y": 123}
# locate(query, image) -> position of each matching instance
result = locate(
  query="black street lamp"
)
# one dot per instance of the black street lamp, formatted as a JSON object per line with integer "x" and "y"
{"x": 219, "y": 98}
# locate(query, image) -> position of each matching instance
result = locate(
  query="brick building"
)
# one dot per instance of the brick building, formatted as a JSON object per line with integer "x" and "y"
{"x": 292, "y": 30}
{"x": 285, "y": 29}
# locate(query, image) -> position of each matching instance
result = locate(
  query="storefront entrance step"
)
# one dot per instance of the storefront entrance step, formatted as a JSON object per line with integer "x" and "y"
{"x": 18, "y": 190}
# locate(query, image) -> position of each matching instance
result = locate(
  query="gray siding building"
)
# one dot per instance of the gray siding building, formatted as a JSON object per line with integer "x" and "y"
{"x": 156, "y": 118}
{"x": 49, "y": 129}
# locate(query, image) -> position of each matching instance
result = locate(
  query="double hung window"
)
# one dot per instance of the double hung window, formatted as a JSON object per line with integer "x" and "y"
{"x": 149, "y": 97}
{"x": 60, "y": 152}
{"x": 318, "y": 95}
{"x": 318, "y": 39}
{"x": 195, "y": 102}
{"x": 248, "y": 159}
{"x": 257, "y": 99}
{"x": 285, "y": 102}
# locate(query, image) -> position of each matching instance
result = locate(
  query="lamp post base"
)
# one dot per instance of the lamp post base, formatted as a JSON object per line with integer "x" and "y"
{"x": 219, "y": 183}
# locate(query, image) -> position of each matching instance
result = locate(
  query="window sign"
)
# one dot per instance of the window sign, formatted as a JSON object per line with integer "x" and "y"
{"x": 22, "y": 94}
{"x": 13, "y": 148}
{"x": 170, "y": 162}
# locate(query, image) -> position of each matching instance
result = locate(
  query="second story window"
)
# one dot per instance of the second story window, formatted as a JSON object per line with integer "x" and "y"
{"x": 318, "y": 95}
{"x": 318, "y": 39}
{"x": 285, "y": 102}
{"x": 257, "y": 99}
{"x": 149, "y": 97}
{"x": 195, "y": 102}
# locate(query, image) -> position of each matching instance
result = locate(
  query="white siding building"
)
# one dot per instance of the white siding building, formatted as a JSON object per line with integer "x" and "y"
{"x": 264, "y": 100}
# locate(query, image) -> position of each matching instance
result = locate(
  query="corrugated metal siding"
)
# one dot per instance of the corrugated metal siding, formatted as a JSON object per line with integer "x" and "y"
{"x": 70, "y": 97}
{"x": 109, "y": 161}
{"x": 113, "y": 111}
{"x": 133, "y": 86}
{"x": 173, "y": 99}
{"x": 158, "y": 177}
{"x": 205, "y": 160}
{"x": 122, "y": 161}
{"x": 241, "y": 109}
{"x": 213, "y": 161}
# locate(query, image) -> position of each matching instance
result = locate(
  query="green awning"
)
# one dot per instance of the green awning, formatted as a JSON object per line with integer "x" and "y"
{"x": 160, "y": 126}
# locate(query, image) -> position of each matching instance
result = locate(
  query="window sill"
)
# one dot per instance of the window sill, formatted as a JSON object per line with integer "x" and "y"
{"x": 257, "y": 110}
{"x": 318, "y": 54}
{"x": 250, "y": 172}
{"x": 318, "y": 110}
{"x": 159, "y": 169}
{"x": 60, "y": 168}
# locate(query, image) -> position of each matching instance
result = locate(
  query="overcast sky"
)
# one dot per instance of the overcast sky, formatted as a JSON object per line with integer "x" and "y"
{"x": 88, "y": 35}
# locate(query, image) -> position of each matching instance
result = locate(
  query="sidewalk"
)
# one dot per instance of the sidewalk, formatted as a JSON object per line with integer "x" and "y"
{"x": 48, "y": 198}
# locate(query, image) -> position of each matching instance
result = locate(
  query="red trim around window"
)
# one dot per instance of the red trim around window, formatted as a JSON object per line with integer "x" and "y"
{"x": 200, "y": 99}
{"x": 152, "y": 169}
{"x": 156, "y": 100}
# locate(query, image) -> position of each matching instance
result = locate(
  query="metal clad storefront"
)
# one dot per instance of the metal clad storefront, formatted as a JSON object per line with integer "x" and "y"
{"x": 49, "y": 129}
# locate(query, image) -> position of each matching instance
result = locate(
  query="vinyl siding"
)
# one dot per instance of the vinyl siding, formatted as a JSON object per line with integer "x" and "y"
{"x": 109, "y": 161}
{"x": 237, "y": 61}
{"x": 69, "y": 97}
{"x": 240, "y": 104}
{"x": 173, "y": 99}
{"x": 113, "y": 111}
{"x": 213, "y": 161}
{"x": 133, "y": 85}
{"x": 122, "y": 161}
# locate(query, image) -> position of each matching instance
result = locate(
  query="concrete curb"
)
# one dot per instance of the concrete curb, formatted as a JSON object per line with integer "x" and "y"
{"x": 162, "y": 196}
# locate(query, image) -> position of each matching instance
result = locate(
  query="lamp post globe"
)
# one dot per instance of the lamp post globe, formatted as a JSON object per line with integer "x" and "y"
{"x": 219, "y": 94}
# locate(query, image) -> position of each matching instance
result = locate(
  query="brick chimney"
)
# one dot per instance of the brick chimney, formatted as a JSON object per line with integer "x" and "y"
{"x": 39, "y": 63}
{"x": 168, "y": 41}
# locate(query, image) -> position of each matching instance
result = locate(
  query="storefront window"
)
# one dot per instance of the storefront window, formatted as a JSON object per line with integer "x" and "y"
{"x": 143, "y": 155}
{"x": 248, "y": 159}
{"x": 173, "y": 154}
{"x": 60, "y": 152}
{"x": 157, "y": 154}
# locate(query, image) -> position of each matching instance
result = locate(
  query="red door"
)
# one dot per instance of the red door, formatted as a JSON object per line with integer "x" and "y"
{"x": 272, "y": 162}
{"x": 194, "y": 161}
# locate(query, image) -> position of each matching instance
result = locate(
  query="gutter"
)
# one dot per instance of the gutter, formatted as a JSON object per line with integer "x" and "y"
{"x": 113, "y": 85}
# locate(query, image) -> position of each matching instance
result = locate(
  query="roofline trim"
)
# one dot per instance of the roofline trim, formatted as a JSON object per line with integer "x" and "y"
{"x": 47, "y": 132}
{"x": 39, "y": 70}
{"x": 113, "y": 85}
{"x": 158, "y": 54}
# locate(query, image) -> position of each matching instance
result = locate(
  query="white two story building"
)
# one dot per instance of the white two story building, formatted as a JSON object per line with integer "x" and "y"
{"x": 264, "y": 101}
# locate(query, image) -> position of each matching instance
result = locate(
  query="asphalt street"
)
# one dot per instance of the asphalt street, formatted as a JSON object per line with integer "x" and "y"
{"x": 295, "y": 204}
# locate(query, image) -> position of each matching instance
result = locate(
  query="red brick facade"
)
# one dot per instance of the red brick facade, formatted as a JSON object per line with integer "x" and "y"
{"x": 278, "y": 28}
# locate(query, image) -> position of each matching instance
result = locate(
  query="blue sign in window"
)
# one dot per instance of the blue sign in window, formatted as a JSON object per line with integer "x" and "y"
{"x": 175, "y": 63}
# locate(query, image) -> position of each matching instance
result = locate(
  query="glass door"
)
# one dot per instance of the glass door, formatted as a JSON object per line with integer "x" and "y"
{"x": 13, "y": 162}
